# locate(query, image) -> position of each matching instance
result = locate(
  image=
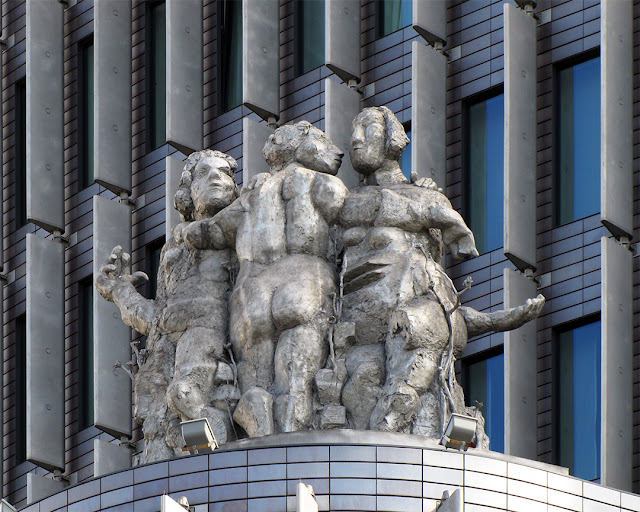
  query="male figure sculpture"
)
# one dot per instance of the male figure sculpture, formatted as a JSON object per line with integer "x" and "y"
{"x": 394, "y": 284}
{"x": 282, "y": 301}
{"x": 188, "y": 372}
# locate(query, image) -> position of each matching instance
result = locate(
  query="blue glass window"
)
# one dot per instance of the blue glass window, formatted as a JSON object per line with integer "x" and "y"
{"x": 577, "y": 176}
{"x": 309, "y": 35}
{"x": 230, "y": 68}
{"x": 405, "y": 158}
{"x": 485, "y": 172}
{"x": 484, "y": 382}
{"x": 85, "y": 113}
{"x": 577, "y": 400}
{"x": 156, "y": 75}
{"x": 394, "y": 15}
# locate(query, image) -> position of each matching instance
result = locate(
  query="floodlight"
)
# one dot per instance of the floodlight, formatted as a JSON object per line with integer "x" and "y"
{"x": 460, "y": 432}
{"x": 6, "y": 507}
{"x": 198, "y": 436}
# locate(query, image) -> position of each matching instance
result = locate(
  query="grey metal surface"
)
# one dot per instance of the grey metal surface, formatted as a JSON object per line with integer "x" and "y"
{"x": 520, "y": 124}
{"x": 111, "y": 392}
{"x": 617, "y": 365}
{"x": 173, "y": 172}
{"x": 184, "y": 75}
{"x": 108, "y": 457}
{"x": 40, "y": 487}
{"x": 45, "y": 352}
{"x": 45, "y": 168}
{"x": 112, "y": 100}
{"x": 428, "y": 113}
{"x": 454, "y": 503}
{"x": 254, "y": 135}
{"x": 342, "y": 104}
{"x": 520, "y": 373}
{"x": 261, "y": 57}
{"x": 342, "y": 38}
{"x": 430, "y": 20}
{"x": 616, "y": 107}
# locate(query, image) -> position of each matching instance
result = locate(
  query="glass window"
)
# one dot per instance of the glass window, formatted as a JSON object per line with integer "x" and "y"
{"x": 85, "y": 117}
{"x": 485, "y": 172}
{"x": 484, "y": 383}
{"x": 153, "y": 253}
{"x": 405, "y": 158}
{"x": 394, "y": 15}
{"x": 156, "y": 75}
{"x": 85, "y": 352}
{"x": 230, "y": 68}
{"x": 309, "y": 35}
{"x": 21, "y": 154}
{"x": 21, "y": 388}
{"x": 577, "y": 400}
{"x": 578, "y": 142}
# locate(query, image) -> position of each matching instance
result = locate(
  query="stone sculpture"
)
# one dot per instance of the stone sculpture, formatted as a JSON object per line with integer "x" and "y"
{"x": 186, "y": 370}
{"x": 341, "y": 314}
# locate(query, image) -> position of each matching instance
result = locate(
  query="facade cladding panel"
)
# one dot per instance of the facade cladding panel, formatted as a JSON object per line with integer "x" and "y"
{"x": 568, "y": 256}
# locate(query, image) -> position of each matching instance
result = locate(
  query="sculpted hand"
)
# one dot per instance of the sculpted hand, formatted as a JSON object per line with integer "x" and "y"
{"x": 117, "y": 273}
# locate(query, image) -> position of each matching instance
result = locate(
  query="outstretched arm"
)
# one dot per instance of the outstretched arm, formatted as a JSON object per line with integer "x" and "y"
{"x": 116, "y": 284}
{"x": 218, "y": 232}
{"x": 504, "y": 320}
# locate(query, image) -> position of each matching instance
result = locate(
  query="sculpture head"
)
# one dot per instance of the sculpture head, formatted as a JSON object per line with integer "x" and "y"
{"x": 377, "y": 140}
{"x": 303, "y": 143}
{"x": 207, "y": 185}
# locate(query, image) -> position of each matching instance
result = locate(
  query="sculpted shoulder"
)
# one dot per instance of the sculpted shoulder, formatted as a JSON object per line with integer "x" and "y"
{"x": 361, "y": 207}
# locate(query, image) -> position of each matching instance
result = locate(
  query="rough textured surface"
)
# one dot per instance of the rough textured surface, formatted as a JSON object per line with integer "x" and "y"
{"x": 340, "y": 314}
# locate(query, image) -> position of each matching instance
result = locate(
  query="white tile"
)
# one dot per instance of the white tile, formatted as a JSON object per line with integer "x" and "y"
{"x": 630, "y": 501}
{"x": 565, "y": 484}
{"x": 553, "y": 508}
{"x": 429, "y": 505}
{"x": 442, "y": 475}
{"x": 527, "y": 474}
{"x": 565, "y": 500}
{"x": 442, "y": 459}
{"x": 485, "y": 481}
{"x": 517, "y": 504}
{"x": 478, "y": 508}
{"x": 597, "y": 506}
{"x": 527, "y": 490}
{"x": 434, "y": 491}
{"x": 600, "y": 493}
{"x": 488, "y": 498}
{"x": 485, "y": 465}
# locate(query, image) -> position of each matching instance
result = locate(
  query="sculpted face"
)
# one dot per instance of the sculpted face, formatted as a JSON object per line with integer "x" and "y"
{"x": 368, "y": 141}
{"x": 213, "y": 186}
{"x": 318, "y": 153}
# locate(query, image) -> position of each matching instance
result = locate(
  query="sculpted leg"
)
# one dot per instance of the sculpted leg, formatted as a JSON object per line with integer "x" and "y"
{"x": 504, "y": 320}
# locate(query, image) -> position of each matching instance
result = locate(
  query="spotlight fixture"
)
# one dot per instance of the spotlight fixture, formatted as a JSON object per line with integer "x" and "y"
{"x": 198, "y": 436}
{"x": 460, "y": 432}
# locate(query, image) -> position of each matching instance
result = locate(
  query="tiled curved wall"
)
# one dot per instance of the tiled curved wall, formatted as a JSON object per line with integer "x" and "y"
{"x": 349, "y": 471}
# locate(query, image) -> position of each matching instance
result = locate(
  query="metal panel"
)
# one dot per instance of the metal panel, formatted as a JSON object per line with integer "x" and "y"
{"x": 520, "y": 137}
{"x": 617, "y": 365}
{"x": 184, "y": 75}
{"x": 520, "y": 373}
{"x": 616, "y": 107}
{"x": 108, "y": 457}
{"x": 174, "y": 169}
{"x": 45, "y": 169}
{"x": 430, "y": 20}
{"x": 428, "y": 113}
{"x": 112, "y": 104}
{"x": 254, "y": 136}
{"x": 45, "y": 352}
{"x": 111, "y": 392}
{"x": 342, "y": 105}
{"x": 261, "y": 57}
{"x": 40, "y": 487}
{"x": 342, "y": 38}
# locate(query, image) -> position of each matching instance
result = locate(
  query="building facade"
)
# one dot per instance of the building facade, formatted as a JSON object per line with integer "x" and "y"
{"x": 526, "y": 117}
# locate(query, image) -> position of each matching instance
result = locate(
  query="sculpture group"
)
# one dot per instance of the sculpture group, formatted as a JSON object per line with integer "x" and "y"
{"x": 298, "y": 304}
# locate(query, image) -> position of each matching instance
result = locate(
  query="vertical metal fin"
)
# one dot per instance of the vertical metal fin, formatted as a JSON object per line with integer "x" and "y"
{"x": 45, "y": 352}
{"x": 108, "y": 457}
{"x": 173, "y": 173}
{"x": 342, "y": 38}
{"x": 430, "y": 20}
{"x": 254, "y": 136}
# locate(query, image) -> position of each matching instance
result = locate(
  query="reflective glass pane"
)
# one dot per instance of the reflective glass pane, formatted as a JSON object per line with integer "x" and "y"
{"x": 309, "y": 35}
{"x": 405, "y": 158}
{"x": 21, "y": 388}
{"x": 86, "y": 115}
{"x": 21, "y": 153}
{"x": 394, "y": 15}
{"x": 158, "y": 77}
{"x": 230, "y": 74}
{"x": 578, "y": 142}
{"x": 85, "y": 351}
{"x": 154, "y": 251}
{"x": 578, "y": 400}
{"x": 485, "y": 172}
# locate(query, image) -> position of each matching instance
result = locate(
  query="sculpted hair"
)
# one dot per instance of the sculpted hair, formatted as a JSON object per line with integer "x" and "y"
{"x": 183, "y": 200}
{"x": 280, "y": 147}
{"x": 396, "y": 139}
